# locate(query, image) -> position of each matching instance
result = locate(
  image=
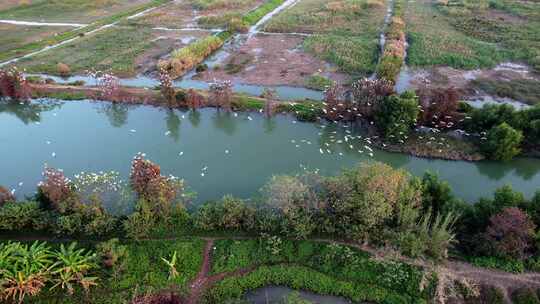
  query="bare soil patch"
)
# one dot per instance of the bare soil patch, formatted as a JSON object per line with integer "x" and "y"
{"x": 445, "y": 77}
{"x": 271, "y": 60}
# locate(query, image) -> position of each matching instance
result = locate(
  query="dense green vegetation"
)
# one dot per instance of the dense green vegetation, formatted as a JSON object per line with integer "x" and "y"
{"x": 339, "y": 262}
{"x": 504, "y": 130}
{"x": 122, "y": 270}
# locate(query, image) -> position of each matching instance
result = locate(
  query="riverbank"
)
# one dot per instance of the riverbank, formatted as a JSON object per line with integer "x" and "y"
{"x": 452, "y": 149}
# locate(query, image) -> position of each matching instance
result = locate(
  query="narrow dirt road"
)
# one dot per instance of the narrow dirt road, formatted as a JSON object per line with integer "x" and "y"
{"x": 203, "y": 280}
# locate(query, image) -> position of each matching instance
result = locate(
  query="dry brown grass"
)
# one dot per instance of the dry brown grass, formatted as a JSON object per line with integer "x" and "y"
{"x": 185, "y": 59}
{"x": 63, "y": 69}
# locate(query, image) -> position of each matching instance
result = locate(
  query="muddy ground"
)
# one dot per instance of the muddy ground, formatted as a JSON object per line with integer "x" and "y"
{"x": 276, "y": 59}
{"x": 464, "y": 81}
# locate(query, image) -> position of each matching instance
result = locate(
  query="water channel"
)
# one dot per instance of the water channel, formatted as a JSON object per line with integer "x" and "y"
{"x": 217, "y": 153}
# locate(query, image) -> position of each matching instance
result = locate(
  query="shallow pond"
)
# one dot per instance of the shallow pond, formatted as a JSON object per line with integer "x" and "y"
{"x": 277, "y": 295}
{"x": 240, "y": 151}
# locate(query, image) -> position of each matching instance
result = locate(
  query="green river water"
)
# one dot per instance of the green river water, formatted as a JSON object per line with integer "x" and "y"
{"x": 216, "y": 153}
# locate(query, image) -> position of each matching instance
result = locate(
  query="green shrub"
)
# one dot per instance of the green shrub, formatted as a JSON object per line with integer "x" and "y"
{"x": 229, "y": 213}
{"x": 304, "y": 111}
{"x": 318, "y": 82}
{"x": 503, "y": 142}
{"x": 389, "y": 67}
{"x": 16, "y": 216}
{"x": 508, "y": 265}
{"x": 396, "y": 115}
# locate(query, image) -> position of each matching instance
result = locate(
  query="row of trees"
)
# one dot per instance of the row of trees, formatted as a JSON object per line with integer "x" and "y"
{"x": 370, "y": 203}
{"x": 500, "y": 131}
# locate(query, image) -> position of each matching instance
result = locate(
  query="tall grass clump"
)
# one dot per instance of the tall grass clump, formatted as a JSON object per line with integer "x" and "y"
{"x": 186, "y": 58}
{"x": 394, "y": 48}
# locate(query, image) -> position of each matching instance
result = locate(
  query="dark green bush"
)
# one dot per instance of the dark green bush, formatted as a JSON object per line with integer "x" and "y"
{"x": 396, "y": 115}
{"x": 503, "y": 142}
{"x": 229, "y": 213}
{"x": 16, "y": 216}
{"x": 525, "y": 296}
{"x": 508, "y": 265}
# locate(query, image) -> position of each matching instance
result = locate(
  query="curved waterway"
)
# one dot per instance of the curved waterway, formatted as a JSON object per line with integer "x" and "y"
{"x": 217, "y": 153}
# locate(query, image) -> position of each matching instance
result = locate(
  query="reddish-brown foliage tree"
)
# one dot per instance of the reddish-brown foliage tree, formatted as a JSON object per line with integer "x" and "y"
{"x": 5, "y": 196}
{"x": 438, "y": 107}
{"x": 511, "y": 232}
{"x": 148, "y": 183}
{"x": 167, "y": 89}
{"x": 368, "y": 93}
{"x": 143, "y": 172}
{"x": 269, "y": 96}
{"x": 221, "y": 94}
{"x": 334, "y": 106}
{"x": 55, "y": 187}
{"x": 13, "y": 84}
{"x": 108, "y": 85}
{"x": 194, "y": 100}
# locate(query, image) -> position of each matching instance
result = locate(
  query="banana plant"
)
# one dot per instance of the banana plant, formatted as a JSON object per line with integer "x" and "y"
{"x": 72, "y": 266}
{"x": 24, "y": 270}
{"x": 173, "y": 273}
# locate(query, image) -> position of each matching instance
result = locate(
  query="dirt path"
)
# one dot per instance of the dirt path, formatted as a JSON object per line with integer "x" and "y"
{"x": 197, "y": 287}
{"x": 204, "y": 280}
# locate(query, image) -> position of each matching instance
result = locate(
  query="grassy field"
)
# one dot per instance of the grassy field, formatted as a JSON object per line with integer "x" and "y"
{"x": 345, "y": 32}
{"x": 49, "y": 40}
{"x": 434, "y": 41}
{"x": 74, "y": 11}
{"x": 114, "y": 49}
{"x": 14, "y": 36}
{"x": 473, "y": 34}
{"x": 208, "y": 13}
{"x": 345, "y": 17}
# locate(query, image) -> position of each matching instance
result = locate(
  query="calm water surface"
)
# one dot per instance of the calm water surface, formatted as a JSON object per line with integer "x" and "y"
{"x": 240, "y": 151}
